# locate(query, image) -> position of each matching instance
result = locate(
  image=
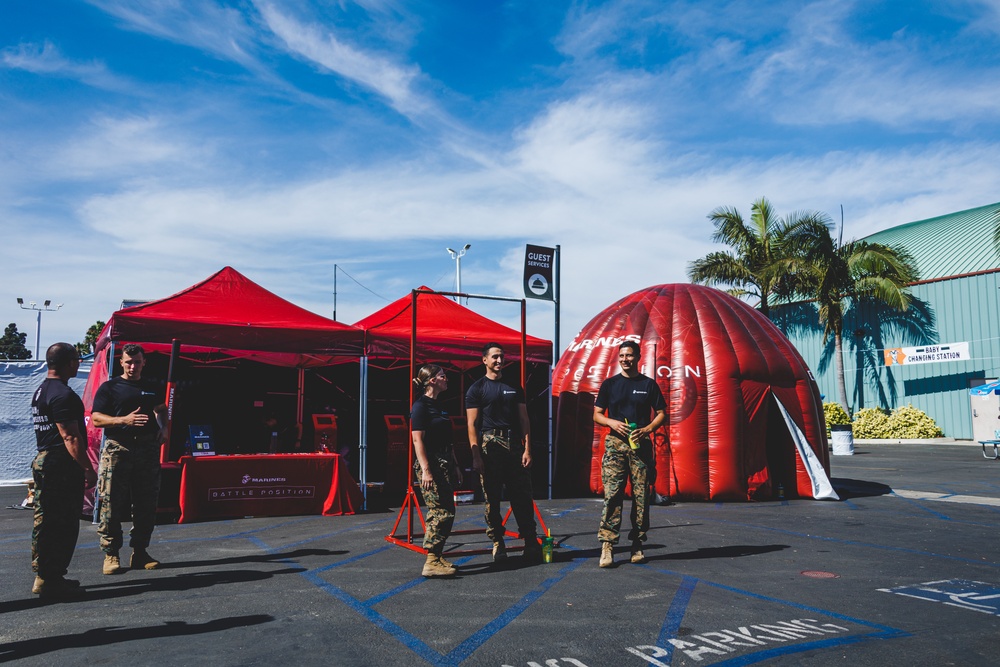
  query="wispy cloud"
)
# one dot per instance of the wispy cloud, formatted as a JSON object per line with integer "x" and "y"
{"x": 324, "y": 48}
{"x": 821, "y": 73}
{"x": 210, "y": 27}
{"x": 46, "y": 59}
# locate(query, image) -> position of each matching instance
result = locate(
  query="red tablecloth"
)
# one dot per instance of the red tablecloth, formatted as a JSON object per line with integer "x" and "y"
{"x": 214, "y": 487}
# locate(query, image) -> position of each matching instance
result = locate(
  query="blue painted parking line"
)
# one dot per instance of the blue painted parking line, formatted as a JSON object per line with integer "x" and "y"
{"x": 415, "y": 644}
{"x": 672, "y": 622}
{"x": 574, "y": 508}
{"x": 943, "y": 517}
{"x": 963, "y": 593}
{"x": 398, "y": 633}
{"x": 675, "y": 614}
{"x": 381, "y": 597}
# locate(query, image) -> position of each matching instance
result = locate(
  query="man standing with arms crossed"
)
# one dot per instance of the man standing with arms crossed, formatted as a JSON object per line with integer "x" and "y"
{"x": 61, "y": 471}
{"x": 133, "y": 417}
{"x": 500, "y": 438}
{"x": 628, "y": 397}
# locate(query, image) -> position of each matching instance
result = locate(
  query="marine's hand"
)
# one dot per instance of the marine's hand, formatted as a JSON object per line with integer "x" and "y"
{"x": 136, "y": 418}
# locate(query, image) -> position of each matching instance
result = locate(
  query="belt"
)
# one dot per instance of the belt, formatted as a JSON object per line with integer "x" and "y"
{"x": 502, "y": 432}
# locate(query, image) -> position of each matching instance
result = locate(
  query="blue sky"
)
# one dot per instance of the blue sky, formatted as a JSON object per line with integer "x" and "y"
{"x": 144, "y": 145}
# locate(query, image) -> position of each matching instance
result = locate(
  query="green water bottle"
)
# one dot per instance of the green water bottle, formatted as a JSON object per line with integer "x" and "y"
{"x": 633, "y": 440}
{"x": 547, "y": 544}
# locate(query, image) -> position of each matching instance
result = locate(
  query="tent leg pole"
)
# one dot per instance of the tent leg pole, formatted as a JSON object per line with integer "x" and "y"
{"x": 363, "y": 430}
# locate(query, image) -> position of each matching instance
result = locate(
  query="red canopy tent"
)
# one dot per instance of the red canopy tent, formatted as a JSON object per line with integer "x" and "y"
{"x": 446, "y": 331}
{"x": 230, "y": 314}
{"x": 227, "y": 315}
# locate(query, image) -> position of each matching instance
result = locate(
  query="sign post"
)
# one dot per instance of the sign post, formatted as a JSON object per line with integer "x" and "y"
{"x": 541, "y": 281}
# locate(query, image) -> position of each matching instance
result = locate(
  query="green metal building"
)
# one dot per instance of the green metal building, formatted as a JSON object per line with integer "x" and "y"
{"x": 956, "y": 302}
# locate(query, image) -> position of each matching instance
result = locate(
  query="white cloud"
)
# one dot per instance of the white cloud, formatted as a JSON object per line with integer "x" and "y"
{"x": 117, "y": 146}
{"x": 376, "y": 72}
{"x": 46, "y": 59}
{"x": 820, "y": 73}
{"x": 210, "y": 27}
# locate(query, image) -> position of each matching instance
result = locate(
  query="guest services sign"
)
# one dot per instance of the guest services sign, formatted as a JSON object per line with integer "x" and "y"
{"x": 538, "y": 272}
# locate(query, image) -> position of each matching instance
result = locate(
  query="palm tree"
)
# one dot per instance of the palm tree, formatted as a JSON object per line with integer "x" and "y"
{"x": 841, "y": 273}
{"x": 765, "y": 260}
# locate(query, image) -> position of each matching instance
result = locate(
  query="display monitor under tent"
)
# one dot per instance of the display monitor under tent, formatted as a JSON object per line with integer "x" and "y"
{"x": 200, "y": 440}
{"x": 325, "y": 433}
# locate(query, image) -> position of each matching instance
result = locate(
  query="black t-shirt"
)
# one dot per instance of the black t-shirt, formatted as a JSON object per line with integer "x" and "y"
{"x": 630, "y": 399}
{"x": 497, "y": 402}
{"x": 428, "y": 416}
{"x": 55, "y": 403}
{"x": 118, "y": 397}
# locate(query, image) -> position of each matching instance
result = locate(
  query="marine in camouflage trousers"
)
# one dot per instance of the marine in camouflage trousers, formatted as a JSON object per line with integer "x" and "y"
{"x": 502, "y": 469}
{"x": 620, "y": 463}
{"x": 129, "y": 479}
{"x": 440, "y": 502}
{"x": 59, "y": 487}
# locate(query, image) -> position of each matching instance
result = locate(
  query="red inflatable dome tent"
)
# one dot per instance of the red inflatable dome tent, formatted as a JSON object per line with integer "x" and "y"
{"x": 745, "y": 416}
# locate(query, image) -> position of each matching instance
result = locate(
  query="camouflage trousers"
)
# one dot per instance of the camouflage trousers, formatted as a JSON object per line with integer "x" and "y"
{"x": 620, "y": 463}
{"x": 502, "y": 470}
{"x": 129, "y": 480}
{"x": 58, "y": 505}
{"x": 440, "y": 502}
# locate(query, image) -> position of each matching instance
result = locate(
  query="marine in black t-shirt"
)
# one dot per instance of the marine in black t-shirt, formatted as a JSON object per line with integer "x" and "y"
{"x": 55, "y": 403}
{"x": 630, "y": 399}
{"x": 428, "y": 416}
{"x": 498, "y": 404}
{"x": 119, "y": 397}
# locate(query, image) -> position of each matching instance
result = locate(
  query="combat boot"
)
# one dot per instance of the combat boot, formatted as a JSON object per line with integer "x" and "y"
{"x": 112, "y": 565}
{"x": 141, "y": 560}
{"x": 532, "y": 552}
{"x": 607, "y": 557}
{"x": 637, "y": 555}
{"x": 436, "y": 567}
{"x": 56, "y": 588}
{"x": 499, "y": 551}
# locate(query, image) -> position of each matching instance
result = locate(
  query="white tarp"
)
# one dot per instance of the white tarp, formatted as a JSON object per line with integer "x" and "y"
{"x": 822, "y": 489}
{"x": 18, "y": 381}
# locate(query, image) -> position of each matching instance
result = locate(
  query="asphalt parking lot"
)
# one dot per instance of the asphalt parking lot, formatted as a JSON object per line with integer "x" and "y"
{"x": 904, "y": 570}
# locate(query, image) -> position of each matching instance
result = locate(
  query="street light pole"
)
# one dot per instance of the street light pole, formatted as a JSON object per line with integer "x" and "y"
{"x": 457, "y": 255}
{"x": 38, "y": 322}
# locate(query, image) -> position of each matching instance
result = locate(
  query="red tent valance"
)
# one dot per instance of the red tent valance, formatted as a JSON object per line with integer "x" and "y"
{"x": 446, "y": 331}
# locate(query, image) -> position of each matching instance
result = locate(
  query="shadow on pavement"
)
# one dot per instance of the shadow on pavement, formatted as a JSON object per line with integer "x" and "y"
{"x": 254, "y": 558}
{"x": 123, "y": 585}
{"x": 733, "y": 551}
{"x": 104, "y": 636}
{"x": 858, "y": 488}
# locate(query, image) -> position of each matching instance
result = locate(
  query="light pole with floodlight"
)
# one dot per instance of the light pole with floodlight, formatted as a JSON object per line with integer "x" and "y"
{"x": 38, "y": 324}
{"x": 457, "y": 255}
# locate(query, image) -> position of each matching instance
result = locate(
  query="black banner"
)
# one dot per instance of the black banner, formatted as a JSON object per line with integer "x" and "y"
{"x": 538, "y": 263}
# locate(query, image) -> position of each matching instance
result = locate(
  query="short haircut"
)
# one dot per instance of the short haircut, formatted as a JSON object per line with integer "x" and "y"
{"x": 132, "y": 349}
{"x": 60, "y": 355}
{"x": 634, "y": 346}
{"x": 490, "y": 346}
